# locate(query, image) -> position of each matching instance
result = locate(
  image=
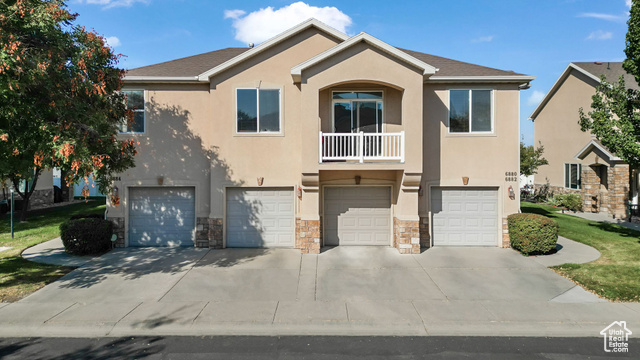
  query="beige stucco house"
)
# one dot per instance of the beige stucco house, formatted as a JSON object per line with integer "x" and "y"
{"x": 314, "y": 138}
{"x": 578, "y": 163}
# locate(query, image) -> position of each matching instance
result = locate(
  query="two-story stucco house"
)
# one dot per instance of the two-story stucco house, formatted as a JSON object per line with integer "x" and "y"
{"x": 314, "y": 138}
{"x": 578, "y": 163}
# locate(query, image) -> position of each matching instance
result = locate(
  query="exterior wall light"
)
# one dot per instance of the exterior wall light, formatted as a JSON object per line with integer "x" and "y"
{"x": 465, "y": 180}
{"x": 358, "y": 178}
{"x": 260, "y": 181}
{"x": 512, "y": 194}
{"x": 160, "y": 180}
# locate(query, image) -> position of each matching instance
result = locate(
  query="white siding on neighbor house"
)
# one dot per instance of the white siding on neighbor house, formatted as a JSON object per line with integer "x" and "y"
{"x": 260, "y": 217}
{"x": 465, "y": 217}
{"x": 161, "y": 216}
{"x": 357, "y": 216}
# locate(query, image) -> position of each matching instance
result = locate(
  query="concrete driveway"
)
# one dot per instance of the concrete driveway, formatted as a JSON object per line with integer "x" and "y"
{"x": 344, "y": 290}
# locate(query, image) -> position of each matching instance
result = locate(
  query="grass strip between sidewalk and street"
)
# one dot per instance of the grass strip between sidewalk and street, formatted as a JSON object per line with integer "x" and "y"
{"x": 20, "y": 277}
{"x": 616, "y": 274}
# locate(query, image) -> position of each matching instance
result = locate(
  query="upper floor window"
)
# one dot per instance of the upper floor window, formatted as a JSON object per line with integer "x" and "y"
{"x": 572, "y": 176}
{"x": 135, "y": 103}
{"x": 470, "y": 111}
{"x": 258, "y": 110}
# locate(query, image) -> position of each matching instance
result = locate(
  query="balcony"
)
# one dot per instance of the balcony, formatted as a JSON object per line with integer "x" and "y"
{"x": 361, "y": 147}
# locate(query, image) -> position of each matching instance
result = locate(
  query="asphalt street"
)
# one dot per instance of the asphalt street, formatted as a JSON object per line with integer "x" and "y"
{"x": 306, "y": 347}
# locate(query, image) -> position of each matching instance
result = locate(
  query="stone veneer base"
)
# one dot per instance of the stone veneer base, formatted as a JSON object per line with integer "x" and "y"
{"x": 406, "y": 236}
{"x": 118, "y": 229}
{"x": 506, "y": 241}
{"x": 308, "y": 235}
{"x": 215, "y": 233}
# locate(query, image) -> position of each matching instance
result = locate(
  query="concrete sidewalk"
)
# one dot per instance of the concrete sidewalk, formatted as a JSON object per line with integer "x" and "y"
{"x": 606, "y": 218}
{"x": 342, "y": 291}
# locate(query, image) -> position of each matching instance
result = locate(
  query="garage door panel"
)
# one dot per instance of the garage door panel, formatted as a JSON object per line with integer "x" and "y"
{"x": 467, "y": 217}
{"x": 357, "y": 216}
{"x": 161, "y": 216}
{"x": 258, "y": 218}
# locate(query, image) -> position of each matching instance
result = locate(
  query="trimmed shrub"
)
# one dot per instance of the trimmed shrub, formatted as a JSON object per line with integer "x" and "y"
{"x": 87, "y": 216}
{"x": 570, "y": 201}
{"x": 532, "y": 234}
{"x": 88, "y": 236}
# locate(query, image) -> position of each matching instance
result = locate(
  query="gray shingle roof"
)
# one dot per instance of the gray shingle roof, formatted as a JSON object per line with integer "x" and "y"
{"x": 611, "y": 70}
{"x": 198, "y": 64}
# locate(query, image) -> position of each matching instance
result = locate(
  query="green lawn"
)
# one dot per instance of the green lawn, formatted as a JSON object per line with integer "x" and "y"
{"x": 616, "y": 274}
{"x": 19, "y": 277}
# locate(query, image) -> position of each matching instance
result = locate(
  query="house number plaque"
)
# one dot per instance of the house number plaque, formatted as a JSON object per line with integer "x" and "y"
{"x": 510, "y": 176}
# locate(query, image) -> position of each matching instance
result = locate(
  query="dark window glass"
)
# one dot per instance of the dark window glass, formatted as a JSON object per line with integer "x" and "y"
{"x": 481, "y": 110}
{"x": 459, "y": 111}
{"x": 135, "y": 103}
{"x": 269, "y": 110}
{"x": 247, "y": 110}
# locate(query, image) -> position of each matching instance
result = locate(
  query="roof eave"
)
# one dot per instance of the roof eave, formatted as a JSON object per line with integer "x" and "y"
{"x": 484, "y": 79}
{"x": 584, "y": 152}
{"x": 160, "y": 79}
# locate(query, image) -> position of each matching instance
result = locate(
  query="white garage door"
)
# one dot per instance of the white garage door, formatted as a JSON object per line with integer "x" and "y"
{"x": 357, "y": 216}
{"x": 162, "y": 216}
{"x": 465, "y": 217}
{"x": 260, "y": 217}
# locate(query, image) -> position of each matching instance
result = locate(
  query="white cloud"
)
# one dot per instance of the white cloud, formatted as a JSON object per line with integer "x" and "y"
{"x": 628, "y": 2}
{"x": 607, "y": 17}
{"x": 483, "y": 39}
{"x": 233, "y": 14}
{"x": 266, "y": 23}
{"x": 600, "y": 35}
{"x": 113, "y": 41}
{"x": 114, "y": 3}
{"x": 535, "y": 98}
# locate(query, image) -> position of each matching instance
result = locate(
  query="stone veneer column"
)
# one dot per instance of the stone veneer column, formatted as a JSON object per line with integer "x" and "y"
{"x": 40, "y": 198}
{"x": 506, "y": 242}
{"x": 118, "y": 229}
{"x": 591, "y": 197}
{"x": 202, "y": 232}
{"x": 425, "y": 242}
{"x": 308, "y": 236}
{"x": 619, "y": 191}
{"x": 406, "y": 236}
{"x": 215, "y": 233}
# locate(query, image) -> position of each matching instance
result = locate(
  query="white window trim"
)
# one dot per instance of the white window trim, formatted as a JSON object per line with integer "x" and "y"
{"x": 579, "y": 177}
{"x": 258, "y": 132}
{"x": 144, "y": 113}
{"x": 470, "y": 132}
{"x": 334, "y": 101}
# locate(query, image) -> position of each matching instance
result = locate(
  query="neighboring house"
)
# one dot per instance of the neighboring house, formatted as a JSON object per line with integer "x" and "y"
{"x": 578, "y": 163}
{"x": 42, "y": 195}
{"x": 314, "y": 138}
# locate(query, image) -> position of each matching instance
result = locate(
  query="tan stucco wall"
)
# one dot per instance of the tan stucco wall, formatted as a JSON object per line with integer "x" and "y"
{"x": 191, "y": 135}
{"x": 556, "y": 127}
{"x": 484, "y": 159}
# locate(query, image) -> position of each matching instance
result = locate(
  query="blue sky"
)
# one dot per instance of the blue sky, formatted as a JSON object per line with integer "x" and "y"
{"x": 537, "y": 38}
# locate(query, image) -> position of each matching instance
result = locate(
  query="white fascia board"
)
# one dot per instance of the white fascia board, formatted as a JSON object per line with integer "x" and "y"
{"x": 594, "y": 144}
{"x": 296, "y": 71}
{"x": 501, "y": 78}
{"x": 161, "y": 79}
{"x": 204, "y": 77}
{"x": 556, "y": 85}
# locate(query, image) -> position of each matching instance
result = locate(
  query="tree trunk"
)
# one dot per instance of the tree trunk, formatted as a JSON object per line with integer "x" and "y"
{"x": 29, "y": 189}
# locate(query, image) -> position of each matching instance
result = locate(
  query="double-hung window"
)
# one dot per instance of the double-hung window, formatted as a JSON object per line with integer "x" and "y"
{"x": 258, "y": 110}
{"x": 572, "y": 177}
{"x": 470, "y": 111}
{"x": 135, "y": 103}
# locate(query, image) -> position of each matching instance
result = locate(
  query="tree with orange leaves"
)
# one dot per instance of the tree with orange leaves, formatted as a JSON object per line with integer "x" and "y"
{"x": 60, "y": 104}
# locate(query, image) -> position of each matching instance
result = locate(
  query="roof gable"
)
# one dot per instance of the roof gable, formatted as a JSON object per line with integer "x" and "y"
{"x": 599, "y": 149}
{"x": 427, "y": 70}
{"x": 271, "y": 42}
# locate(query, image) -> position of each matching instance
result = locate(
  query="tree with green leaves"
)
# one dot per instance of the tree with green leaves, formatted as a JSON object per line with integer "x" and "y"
{"x": 614, "y": 118}
{"x": 531, "y": 159}
{"x": 60, "y": 104}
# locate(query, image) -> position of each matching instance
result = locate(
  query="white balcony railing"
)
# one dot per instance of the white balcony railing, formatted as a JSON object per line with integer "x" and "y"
{"x": 361, "y": 147}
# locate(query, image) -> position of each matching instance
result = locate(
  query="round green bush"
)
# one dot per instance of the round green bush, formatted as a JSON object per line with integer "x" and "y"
{"x": 88, "y": 236}
{"x": 532, "y": 234}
